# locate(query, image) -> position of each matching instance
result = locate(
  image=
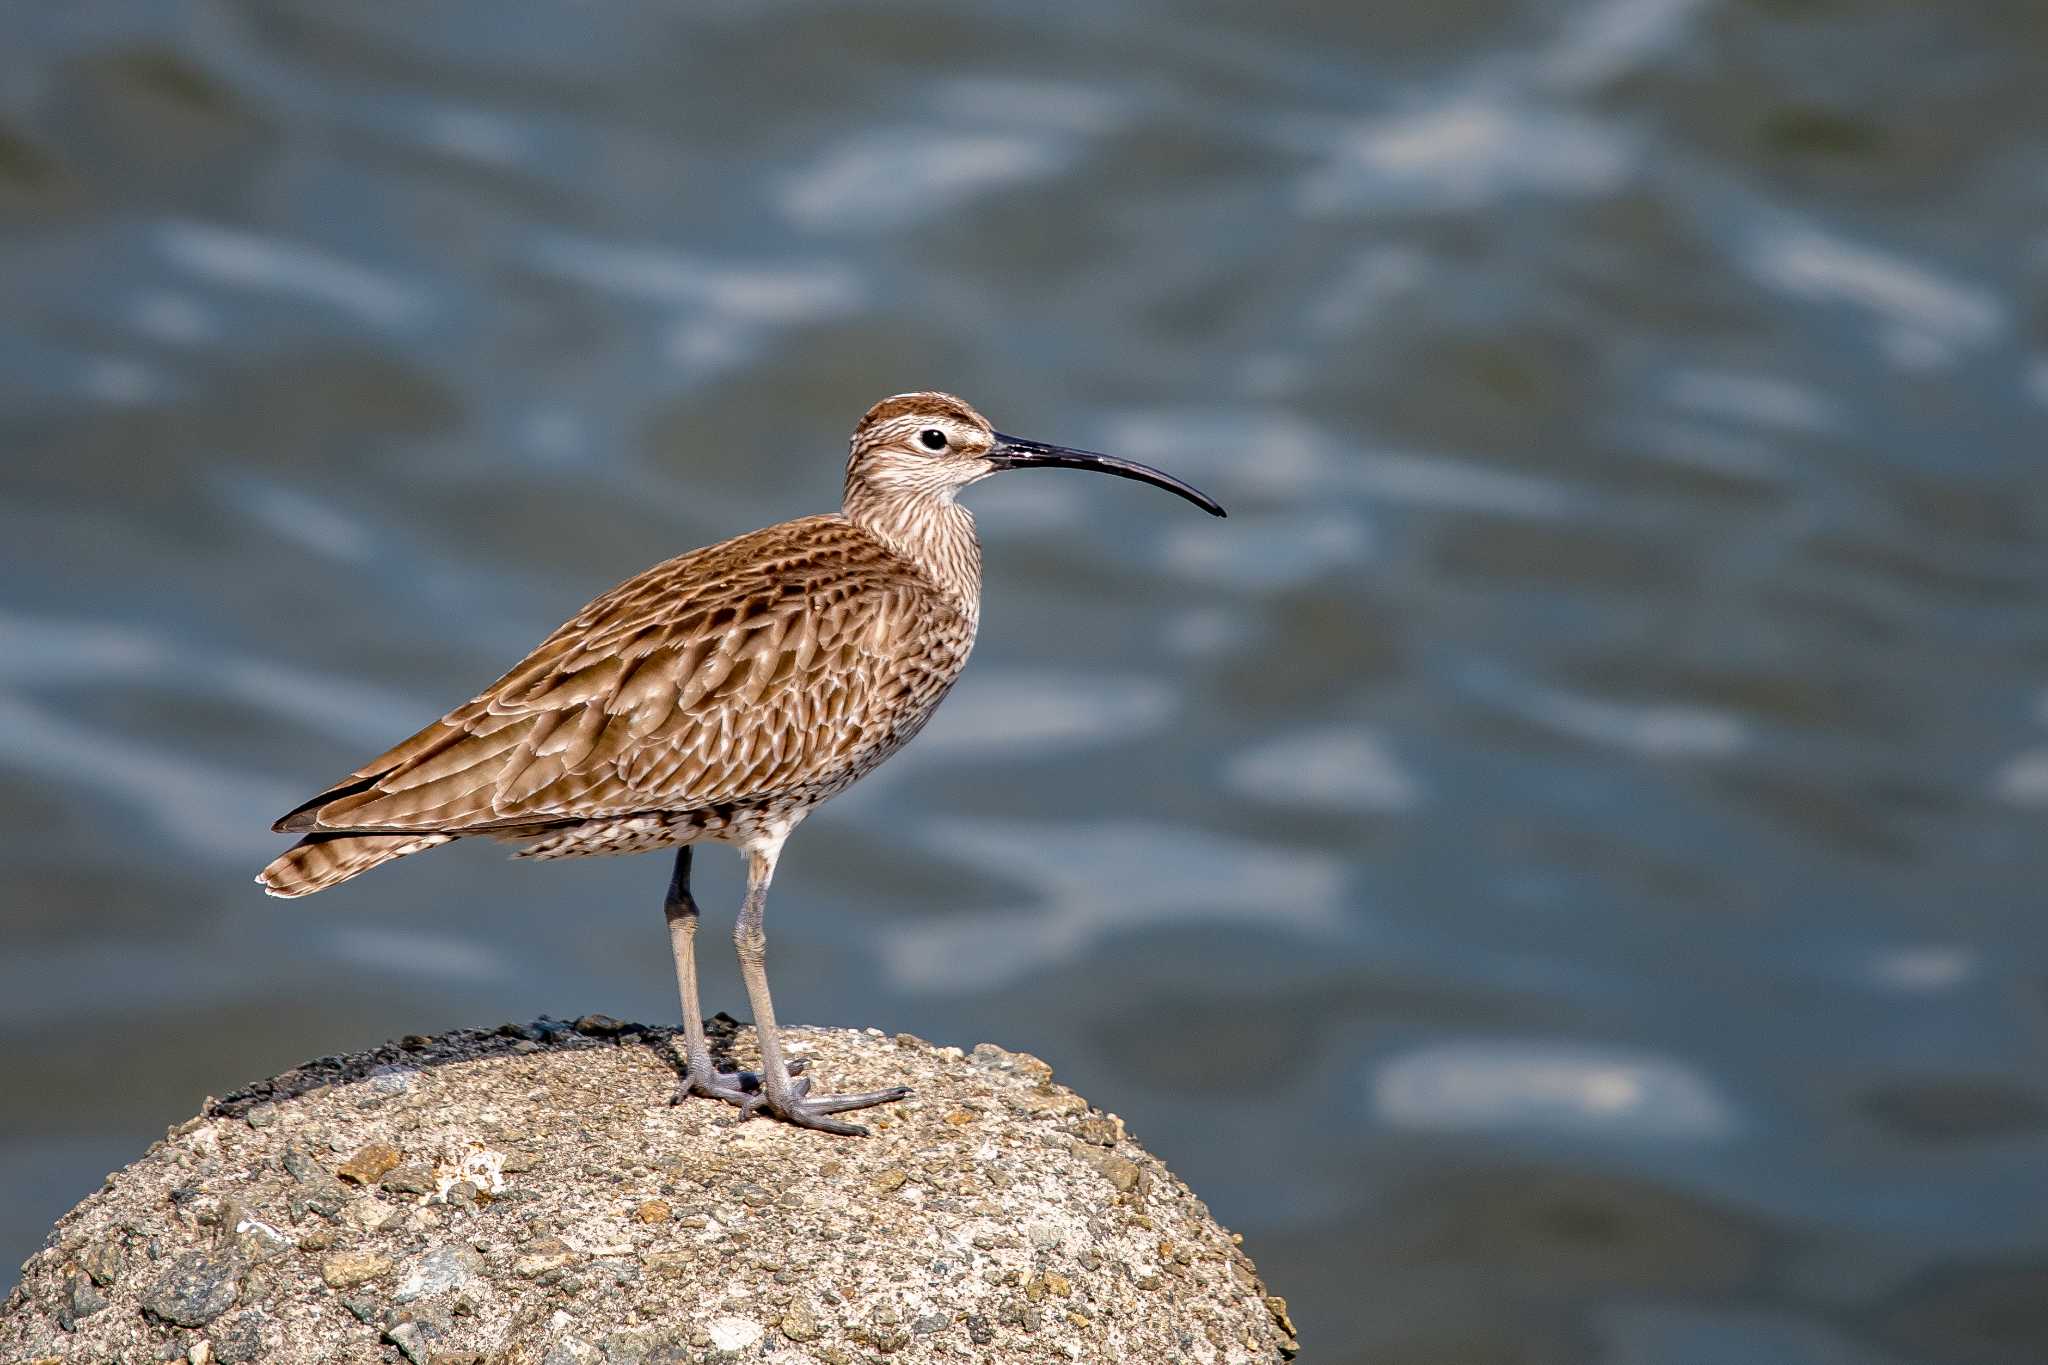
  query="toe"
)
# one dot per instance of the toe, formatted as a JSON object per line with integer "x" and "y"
{"x": 813, "y": 1117}
{"x": 805, "y": 1110}
{"x": 733, "y": 1087}
{"x": 835, "y": 1104}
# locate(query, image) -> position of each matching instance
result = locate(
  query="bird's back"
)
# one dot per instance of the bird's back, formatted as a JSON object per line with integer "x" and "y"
{"x": 782, "y": 664}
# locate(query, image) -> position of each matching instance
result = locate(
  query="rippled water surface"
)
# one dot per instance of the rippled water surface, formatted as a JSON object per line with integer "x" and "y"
{"x": 1560, "y": 869}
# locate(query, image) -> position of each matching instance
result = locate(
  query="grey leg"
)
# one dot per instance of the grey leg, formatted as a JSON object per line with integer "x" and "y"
{"x": 700, "y": 1079}
{"x": 782, "y": 1097}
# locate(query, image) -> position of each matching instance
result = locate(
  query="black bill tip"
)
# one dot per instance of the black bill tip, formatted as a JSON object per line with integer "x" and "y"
{"x": 1014, "y": 452}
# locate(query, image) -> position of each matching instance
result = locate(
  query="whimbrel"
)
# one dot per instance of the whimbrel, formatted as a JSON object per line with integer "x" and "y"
{"x": 720, "y": 696}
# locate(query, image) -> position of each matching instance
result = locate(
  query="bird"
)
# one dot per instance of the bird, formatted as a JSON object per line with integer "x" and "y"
{"x": 717, "y": 697}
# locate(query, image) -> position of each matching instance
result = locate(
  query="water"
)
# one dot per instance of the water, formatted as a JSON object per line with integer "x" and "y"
{"x": 1559, "y": 869}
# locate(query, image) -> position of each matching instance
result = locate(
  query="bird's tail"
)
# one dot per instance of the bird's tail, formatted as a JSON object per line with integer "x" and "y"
{"x": 323, "y": 860}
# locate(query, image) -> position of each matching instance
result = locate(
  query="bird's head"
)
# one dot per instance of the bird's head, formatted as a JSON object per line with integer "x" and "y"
{"x": 917, "y": 446}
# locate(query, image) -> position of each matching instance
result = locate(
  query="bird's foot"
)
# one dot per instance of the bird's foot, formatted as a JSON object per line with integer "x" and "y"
{"x": 806, "y": 1112}
{"x": 741, "y": 1088}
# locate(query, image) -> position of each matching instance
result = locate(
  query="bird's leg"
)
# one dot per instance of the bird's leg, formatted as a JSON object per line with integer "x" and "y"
{"x": 699, "y": 1078}
{"x": 780, "y": 1096}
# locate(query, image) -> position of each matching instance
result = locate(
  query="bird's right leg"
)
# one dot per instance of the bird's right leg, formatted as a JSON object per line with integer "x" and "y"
{"x": 786, "y": 1098}
{"x": 734, "y": 1087}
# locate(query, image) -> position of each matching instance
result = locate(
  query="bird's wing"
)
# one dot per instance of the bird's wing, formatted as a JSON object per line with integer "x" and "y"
{"x": 769, "y": 663}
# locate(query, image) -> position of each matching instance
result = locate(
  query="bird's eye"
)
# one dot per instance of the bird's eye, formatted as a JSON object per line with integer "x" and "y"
{"x": 932, "y": 438}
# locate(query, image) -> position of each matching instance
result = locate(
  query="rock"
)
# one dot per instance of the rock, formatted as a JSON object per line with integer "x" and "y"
{"x": 989, "y": 1057}
{"x": 301, "y": 1165}
{"x": 571, "y": 1350}
{"x": 347, "y": 1269}
{"x": 102, "y": 1261}
{"x": 1100, "y": 1132}
{"x": 370, "y": 1163}
{"x": 1117, "y": 1170}
{"x": 1050, "y": 1101}
{"x": 82, "y": 1300}
{"x": 411, "y": 1338}
{"x": 799, "y": 1323}
{"x": 1277, "y": 1306}
{"x": 373, "y": 1215}
{"x": 734, "y": 1334}
{"x": 261, "y": 1116}
{"x": 260, "y": 1242}
{"x": 391, "y": 1081}
{"x": 540, "y": 1257}
{"x": 517, "y": 1161}
{"x": 645, "y": 1346}
{"x": 620, "y": 1230}
{"x": 409, "y": 1179}
{"x": 195, "y": 1288}
{"x": 437, "y": 1272}
{"x": 243, "y": 1337}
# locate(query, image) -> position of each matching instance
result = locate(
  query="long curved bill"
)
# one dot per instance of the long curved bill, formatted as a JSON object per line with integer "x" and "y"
{"x": 1012, "y": 452}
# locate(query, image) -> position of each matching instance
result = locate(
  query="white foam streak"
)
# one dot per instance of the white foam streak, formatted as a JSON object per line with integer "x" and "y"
{"x": 1042, "y": 711}
{"x": 38, "y": 653}
{"x": 651, "y": 274}
{"x": 1091, "y": 881}
{"x": 1472, "y": 149}
{"x": 891, "y": 179}
{"x": 1340, "y": 768}
{"x": 1614, "y": 37}
{"x": 225, "y": 256}
{"x": 1925, "y": 319}
{"x": 210, "y": 809}
{"x": 1514, "y": 1085}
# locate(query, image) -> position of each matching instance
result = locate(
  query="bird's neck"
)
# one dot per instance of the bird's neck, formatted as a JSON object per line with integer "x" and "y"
{"x": 933, "y": 532}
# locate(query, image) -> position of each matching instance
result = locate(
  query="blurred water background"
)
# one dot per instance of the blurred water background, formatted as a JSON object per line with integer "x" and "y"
{"x": 1560, "y": 869}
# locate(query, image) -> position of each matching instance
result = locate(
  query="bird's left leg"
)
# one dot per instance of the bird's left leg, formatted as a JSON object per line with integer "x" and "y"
{"x": 780, "y": 1096}
{"x": 734, "y": 1087}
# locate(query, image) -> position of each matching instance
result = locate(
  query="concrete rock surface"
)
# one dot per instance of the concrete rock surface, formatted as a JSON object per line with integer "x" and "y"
{"x": 526, "y": 1196}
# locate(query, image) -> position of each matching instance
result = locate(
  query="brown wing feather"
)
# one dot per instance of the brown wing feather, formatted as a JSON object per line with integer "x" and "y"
{"x": 782, "y": 661}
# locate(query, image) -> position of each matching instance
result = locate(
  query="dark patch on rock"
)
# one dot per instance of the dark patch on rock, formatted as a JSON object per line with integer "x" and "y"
{"x": 409, "y": 1178}
{"x": 81, "y": 1300}
{"x": 195, "y": 1288}
{"x": 242, "y": 1338}
{"x": 102, "y": 1260}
